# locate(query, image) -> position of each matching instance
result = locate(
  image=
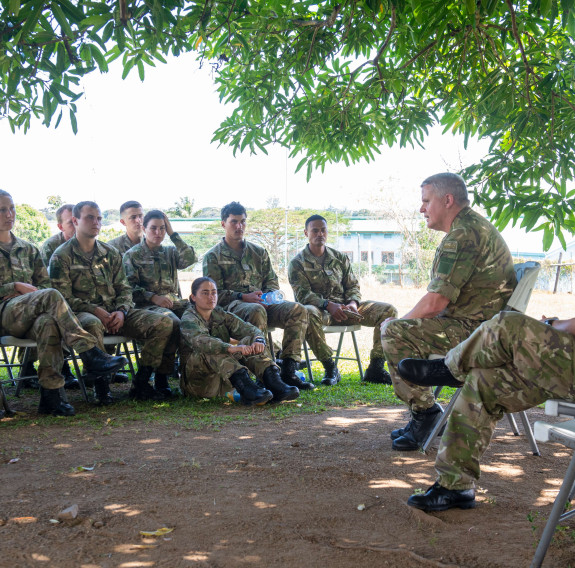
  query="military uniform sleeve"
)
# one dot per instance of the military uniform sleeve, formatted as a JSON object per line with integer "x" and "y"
{"x": 139, "y": 293}
{"x": 350, "y": 283}
{"x": 59, "y": 269}
{"x": 212, "y": 269}
{"x": 302, "y": 286}
{"x": 196, "y": 335}
{"x": 40, "y": 277}
{"x": 122, "y": 288}
{"x": 46, "y": 252}
{"x": 241, "y": 330}
{"x": 454, "y": 264}
{"x": 269, "y": 277}
{"x": 186, "y": 255}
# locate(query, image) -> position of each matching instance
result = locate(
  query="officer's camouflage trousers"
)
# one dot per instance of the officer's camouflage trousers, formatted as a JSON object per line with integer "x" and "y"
{"x": 167, "y": 365}
{"x": 153, "y": 330}
{"x": 511, "y": 363}
{"x": 289, "y": 316}
{"x": 207, "y": 376}
{"x": 420, "y": 338}
{"x": 45, "y": 317}
{"x": 374, "y": 314}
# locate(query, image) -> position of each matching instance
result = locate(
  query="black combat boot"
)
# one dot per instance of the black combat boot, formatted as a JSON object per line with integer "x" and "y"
{"x": 401, "y": 431}
{"x": 141, "y": 388}
{"x": 53, "y": 401}
{"x": 422, "y": 423}
{"x": 376, "y": 373}
{"x": 273, "y": 382}
{"x": 102, "y": 391}
{"x": 427, "y": 373}
{"x": 249, "y": 392}
{"x": 438, "y": 498}
{"x": 331, "y": 376}
{"x": 96, "y": 362}
{"x": 119, "y": 378}
{"x": 288, "y": 376}
{"x": 70, "y": 381}
{"x": 161, "y": 385}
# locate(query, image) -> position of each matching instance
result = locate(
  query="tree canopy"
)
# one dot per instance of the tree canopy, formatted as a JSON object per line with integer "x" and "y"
{"x": 31, "y": 225}
{"x": 336, "y": 81}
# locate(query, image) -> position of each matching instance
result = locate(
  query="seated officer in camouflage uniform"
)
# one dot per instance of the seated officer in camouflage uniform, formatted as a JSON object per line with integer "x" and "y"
{"x": 213, "y": 365}
{"x": 132, "y": 217}
{"x": 91, "y": 277}
{"x": 152, "y": 271}
{"x": 323, "y": 280}
{"x": 242, "y": 272}
{"x": 29, "y": 307}
{"x": 67, "y": 231}
{"x": 471, "y": 280}
{"x": 509, "y": 364}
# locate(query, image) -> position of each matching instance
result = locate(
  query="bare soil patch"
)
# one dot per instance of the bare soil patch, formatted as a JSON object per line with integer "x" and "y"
{"x": 258, "y": 492}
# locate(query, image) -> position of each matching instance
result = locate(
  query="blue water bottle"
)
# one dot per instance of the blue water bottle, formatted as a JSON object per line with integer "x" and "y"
{"x": 274, "y": 297}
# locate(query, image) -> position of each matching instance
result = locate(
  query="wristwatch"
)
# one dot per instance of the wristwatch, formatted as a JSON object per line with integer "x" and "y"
{"x": 324, "y": 304}
{"x": 239, "y": 296}
{"x": 260, "y": 340}
{"x": 124, "y": 311}
{"x": 549, "y": 321}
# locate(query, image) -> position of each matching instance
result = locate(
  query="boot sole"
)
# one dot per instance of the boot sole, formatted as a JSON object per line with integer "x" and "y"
{"x": 438, "y": 508}
{"x": 288, "y": 397}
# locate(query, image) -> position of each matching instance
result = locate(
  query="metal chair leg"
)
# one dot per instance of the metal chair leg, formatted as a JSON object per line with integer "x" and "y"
{"x": 354, "y": 339}
{"x": 307, "y": 362}
{"x": 529, "y": 433}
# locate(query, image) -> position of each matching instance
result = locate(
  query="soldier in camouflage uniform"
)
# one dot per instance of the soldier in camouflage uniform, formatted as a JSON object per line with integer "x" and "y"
{"x": 29, "y": 307}
{"x": 213, "y": 365}
{"x": 323, "y": 280}
{"x": 243, "y": 272}
{"x": 132, "y": 217}
{"x": 509, "y": 364}
{"x": 67, "y": 231}
{"x": 152, "y": 271}
{"x": 471, "y": 280}
{"x": 91, "y": 277}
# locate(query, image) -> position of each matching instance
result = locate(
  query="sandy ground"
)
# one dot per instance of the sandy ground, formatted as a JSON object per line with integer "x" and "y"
{"x": 261, "y": 493}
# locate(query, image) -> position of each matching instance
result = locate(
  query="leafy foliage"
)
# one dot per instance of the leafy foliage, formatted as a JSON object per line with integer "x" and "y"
{"x": 336, "y": 81}
{"x": 183, "y": 208}
{"x": 31, "y": 225}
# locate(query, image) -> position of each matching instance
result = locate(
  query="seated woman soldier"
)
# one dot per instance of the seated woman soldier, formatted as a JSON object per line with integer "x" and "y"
{"x": 212, "y": 365}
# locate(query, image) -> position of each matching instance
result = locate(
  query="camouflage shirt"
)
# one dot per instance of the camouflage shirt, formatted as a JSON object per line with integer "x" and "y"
{"x": 50, "y": 245}
{"x": 156, "y": 271}
{"x": 123, "y": 243}
{"x": 248, "y": 271}
{"x": 473, "y": 269}
{"x": 213, "y": 337}
{"x": 22, "y": 264}
{"x": 89, "y": 284}
{"x": 315, "y": 280}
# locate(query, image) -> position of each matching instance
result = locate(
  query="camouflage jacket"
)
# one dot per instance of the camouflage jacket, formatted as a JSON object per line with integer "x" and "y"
{"x": 87, "y": 285}
{"x": 23, "y": 264}
{"x": 122, "y": 244}
{"x": 50, "y": 245}
{"x": 213, "y": 337}
{"x": 313, "y": 283}
{"x": 234, "y": 273}
{"x": 473, "y": 269}
{"x": 156, "y": 272}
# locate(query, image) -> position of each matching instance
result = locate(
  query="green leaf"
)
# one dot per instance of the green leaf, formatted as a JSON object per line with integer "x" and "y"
{"x": 14, "y": 7}
{"x": 73, "y": 122}
{"x": 62, "y": 20}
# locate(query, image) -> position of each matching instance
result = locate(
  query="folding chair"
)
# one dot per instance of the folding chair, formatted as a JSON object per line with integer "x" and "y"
{"x": 342, "y": 330}
{"x": 563, "y": 433}
{"x": 526, "y": 273}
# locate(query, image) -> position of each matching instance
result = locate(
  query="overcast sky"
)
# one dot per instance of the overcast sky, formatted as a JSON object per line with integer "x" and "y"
{"x": 151, "y": 141}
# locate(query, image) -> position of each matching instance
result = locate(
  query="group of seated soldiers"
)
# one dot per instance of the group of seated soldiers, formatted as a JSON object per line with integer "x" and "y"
{"x": 130, "y": 286}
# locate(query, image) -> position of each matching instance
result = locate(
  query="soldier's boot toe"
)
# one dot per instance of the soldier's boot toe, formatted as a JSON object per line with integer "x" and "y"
{"x": 281, "y": 392}
{"x": 438, "y": 498}
{"x": 250, "y": 393}
{"x": 141, "y": 388}
{"x": 376, "y": 373}
{"x": 70, "y": 381}
{"x": 427, "y": 373}
{"x": 289, "y": 377}
{"x": 120, "y": 378}
{"x": 99, "y": 363}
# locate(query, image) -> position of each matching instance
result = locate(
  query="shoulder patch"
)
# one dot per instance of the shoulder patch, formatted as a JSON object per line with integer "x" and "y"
{"x": 450, "y": 246}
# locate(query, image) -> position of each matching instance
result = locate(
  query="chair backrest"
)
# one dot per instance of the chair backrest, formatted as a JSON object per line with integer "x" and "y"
{"x": 526, "y": 273}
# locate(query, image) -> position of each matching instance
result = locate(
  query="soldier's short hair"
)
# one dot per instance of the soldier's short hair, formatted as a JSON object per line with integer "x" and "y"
{"x": 153, "y": 214}
{"x": 447, "y": 182}
{"x": 60, "y": 210}
{"x": 233, "y": 208}
{"x": 5, "y": 194}
{"x": 129, "y": 204}
{"x": 199, "y": 281}
{"x": 315, "y": 218}
{"x": 77, "y": 210}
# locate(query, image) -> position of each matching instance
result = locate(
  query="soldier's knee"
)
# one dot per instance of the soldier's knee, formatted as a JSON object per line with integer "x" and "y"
{"x": 299, "y": 311}
{"x": 314, "y": 315}
{"x": 52, "y": 296}
{"x": 392, "y": 330}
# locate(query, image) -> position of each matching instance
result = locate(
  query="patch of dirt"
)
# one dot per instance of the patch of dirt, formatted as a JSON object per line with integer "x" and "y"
{"x": 265, "y": 493}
